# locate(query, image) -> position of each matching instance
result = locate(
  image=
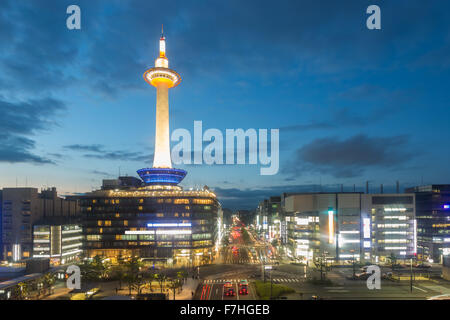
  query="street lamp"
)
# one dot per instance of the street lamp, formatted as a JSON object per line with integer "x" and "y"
{"x": 271, "y": 282}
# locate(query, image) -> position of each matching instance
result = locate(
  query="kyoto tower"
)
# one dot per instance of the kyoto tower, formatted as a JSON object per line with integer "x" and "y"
{"x": 163, "y": 79}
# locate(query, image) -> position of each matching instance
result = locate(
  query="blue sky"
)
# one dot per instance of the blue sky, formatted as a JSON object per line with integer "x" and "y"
{"x": 351, "y": 104}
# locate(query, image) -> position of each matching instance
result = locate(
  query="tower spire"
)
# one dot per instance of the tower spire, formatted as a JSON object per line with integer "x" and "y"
{"x": 162, "y": 44}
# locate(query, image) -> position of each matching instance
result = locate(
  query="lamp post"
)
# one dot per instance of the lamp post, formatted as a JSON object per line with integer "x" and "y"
{"x": 270, "y": 268}
{"x": 411, "y": 276}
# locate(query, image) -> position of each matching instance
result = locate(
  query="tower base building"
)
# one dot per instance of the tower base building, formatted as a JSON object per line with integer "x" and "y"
{"x": 162, "y": 224}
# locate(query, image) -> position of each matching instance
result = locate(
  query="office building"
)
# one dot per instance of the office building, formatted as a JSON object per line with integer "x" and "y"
{"x": 57, "y": 239}
{"x": 350, "y": 226}
{"x": 21, "y": 209}
{"x": 388, "y": 221}
{"x": 433, "y": 221}
{"x": 324, "y": 224}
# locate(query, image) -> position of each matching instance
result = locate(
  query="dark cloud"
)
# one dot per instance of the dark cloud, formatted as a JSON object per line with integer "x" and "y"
{"x": 19, "y": 121}
{"x": 98, "y": 151}
{"x": 56, "y": 155}
{"x": 84, "y": 147}
{"x": 121, "y": 155}
{"x": 100, "y": 173}
{"x": 350, "y": 157}
{"x": 14, "y": 149}
{"x": 30, "y": 116}
{"x": 236, "y": 198}
{"x": 117, "y": 40}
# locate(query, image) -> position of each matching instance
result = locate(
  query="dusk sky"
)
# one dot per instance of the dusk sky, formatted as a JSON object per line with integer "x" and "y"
{"x": 351, "y": 104}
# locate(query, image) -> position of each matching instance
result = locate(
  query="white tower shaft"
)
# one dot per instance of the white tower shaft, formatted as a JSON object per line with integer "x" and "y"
{"x": 162, "y": 140}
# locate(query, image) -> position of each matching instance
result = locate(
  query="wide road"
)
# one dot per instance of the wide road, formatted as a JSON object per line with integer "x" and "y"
{"x": 214, "y": 290}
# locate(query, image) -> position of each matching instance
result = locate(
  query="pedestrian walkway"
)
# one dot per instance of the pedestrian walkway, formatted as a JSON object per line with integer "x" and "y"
{"x": 189, "y": 288}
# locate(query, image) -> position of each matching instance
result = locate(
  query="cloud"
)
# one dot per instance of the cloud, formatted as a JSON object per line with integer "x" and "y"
{"x": 235, "y": 198}
{"x": 120, "y": 155}
{"x": 39, "y": 53}
{"x": 14, "y": 149}
{"x": 21, "y": 119}
{"x": 100, "y": 173}
{"x": 350, "y": 157}
{"x": 98, "y": 151}
{"x": 84, "y": 147}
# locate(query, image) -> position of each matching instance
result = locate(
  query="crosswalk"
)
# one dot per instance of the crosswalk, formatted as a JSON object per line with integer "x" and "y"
{"x": 249, "y": 261}
{"x": 274, "y": 280}
{"x": 286, "y": 280}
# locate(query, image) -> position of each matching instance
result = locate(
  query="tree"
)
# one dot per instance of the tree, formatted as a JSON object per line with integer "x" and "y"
{"x": 132, "y": 275}
{"x": 393, "y": 260}
{"x": 119, "y": 273}
{"x": 161, "y": 278}
{"x": 139, "y": 283}
{"x": 174, "y": 284}
{"x": 20, "y": 291}
{"x": 48, "y": 281}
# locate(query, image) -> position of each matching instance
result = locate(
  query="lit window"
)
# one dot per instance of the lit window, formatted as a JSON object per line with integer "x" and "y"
{"x": 181, "y": 201}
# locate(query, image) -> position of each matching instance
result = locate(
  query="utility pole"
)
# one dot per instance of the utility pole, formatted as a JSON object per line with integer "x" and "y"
{"x": 411, "y": 276}
{"x": 271, "y": 284}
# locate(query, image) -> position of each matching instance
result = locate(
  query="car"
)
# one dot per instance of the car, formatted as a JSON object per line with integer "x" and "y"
{"x": 422, "y": 266}
{"x": 243, "y": 283}
{"x": 243, "y": 290}
{"x": 229, "y": 292}
{"x": 228, "y": 289}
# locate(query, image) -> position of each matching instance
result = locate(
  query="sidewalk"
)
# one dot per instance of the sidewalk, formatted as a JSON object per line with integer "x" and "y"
{"x": 188, "y": 287}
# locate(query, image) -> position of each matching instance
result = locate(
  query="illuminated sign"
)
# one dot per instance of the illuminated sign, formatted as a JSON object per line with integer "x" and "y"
{"x": 156, "y": 225}
{"x": 330, "y": 225}
{"x": 366, "y": 228}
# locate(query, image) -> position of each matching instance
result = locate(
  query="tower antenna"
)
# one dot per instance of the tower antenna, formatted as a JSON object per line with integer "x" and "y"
{"x": 162, "y": 30}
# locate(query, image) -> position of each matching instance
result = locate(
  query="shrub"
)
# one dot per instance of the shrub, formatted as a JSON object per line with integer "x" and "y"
{"x": 263, "y": 290}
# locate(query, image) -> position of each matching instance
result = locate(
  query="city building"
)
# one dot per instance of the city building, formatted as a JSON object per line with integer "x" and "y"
{"x": 1, "y": 235}
{"x": 433, "y": 221}
{"x": 268, "y": 218}
{"x": 153, "y": 218}
{"x": 350, "y": 226}
{"x": 388, "y": 221}
{"x": 57, "y": 239}
{"x": 324, "y": 224}
{"x": 21, "y": 209}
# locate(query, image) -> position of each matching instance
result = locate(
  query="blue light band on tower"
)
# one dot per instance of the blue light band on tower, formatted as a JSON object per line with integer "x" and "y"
{"x": 162, "y": 176}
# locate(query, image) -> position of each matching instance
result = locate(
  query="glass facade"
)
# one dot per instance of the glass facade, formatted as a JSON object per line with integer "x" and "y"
{"x": 159, "y": 223}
